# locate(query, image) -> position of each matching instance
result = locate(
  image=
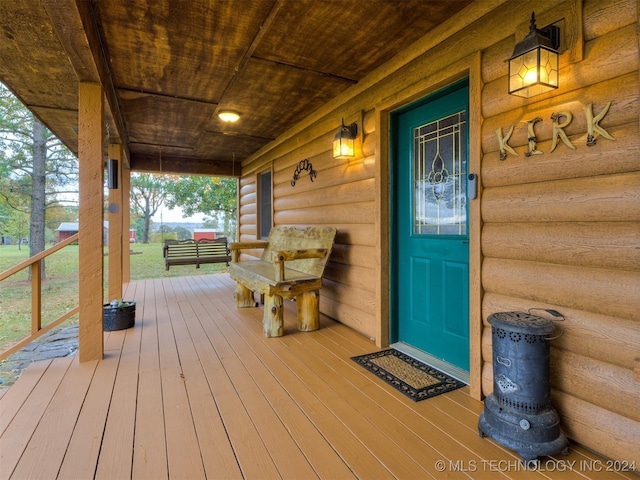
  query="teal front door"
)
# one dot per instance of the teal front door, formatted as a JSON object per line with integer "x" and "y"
{"x": 430, "y": 261}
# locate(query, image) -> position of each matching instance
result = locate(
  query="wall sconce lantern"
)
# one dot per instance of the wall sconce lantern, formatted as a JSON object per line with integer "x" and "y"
{"x": 112, "y": 174}
{"x": 533, "y": 67}
{"x": 343, "y": 142}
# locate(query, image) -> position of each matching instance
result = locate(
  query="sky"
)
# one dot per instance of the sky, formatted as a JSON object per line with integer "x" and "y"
{"x": 175, "y": 215}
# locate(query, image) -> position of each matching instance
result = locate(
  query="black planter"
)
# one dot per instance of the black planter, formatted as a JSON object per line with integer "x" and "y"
{"x": 119, "y": 318}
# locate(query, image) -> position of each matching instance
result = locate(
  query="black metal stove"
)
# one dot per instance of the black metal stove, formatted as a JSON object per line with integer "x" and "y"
{"x": 518, "y": 414}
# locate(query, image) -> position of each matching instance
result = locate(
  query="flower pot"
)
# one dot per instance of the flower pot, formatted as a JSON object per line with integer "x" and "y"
{"x": 119, "y": 317}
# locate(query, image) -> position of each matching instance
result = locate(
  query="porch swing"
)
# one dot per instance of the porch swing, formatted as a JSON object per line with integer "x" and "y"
{"x": 192, "y": 252}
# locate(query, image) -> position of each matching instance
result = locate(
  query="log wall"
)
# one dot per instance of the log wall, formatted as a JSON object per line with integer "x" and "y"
{"x": 561, "y": 230}
{"x": 341, "y": 195}
{"x": 558, "y": 230}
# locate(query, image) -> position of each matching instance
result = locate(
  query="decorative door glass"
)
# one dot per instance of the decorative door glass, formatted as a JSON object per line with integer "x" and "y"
{"x": 439, "y": 176}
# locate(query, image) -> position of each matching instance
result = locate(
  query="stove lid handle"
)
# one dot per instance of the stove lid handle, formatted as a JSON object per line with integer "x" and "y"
{"x": 559, "y": 318}
{"x": 561, "y": 332}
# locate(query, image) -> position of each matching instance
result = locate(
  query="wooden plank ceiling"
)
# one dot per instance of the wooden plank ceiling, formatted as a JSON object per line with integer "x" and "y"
{"x": 169, "y": 66}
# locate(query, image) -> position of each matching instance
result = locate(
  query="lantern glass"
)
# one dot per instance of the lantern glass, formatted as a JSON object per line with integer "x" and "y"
{"x": 533, "y": 73}
{"x": 344, "y": 141}
{"x": 343, "y": 147}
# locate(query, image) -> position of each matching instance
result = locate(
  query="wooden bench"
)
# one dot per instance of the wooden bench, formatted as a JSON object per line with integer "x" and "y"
{"x": 291, "y": 266}
{"x": 196, "y": 252}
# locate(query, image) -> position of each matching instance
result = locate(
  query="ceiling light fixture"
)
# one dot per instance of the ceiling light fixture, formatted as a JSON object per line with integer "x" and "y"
{"x": 228, "y": 116}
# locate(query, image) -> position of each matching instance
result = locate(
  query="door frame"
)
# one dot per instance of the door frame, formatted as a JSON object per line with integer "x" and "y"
{"x": 470, "y": 67}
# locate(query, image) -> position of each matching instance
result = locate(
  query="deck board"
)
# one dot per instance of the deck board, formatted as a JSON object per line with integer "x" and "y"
{"x": 357, "y": 456}
{"x": 437, "y": 420}
{"x": 150, "y": 452}
{"x": 324, "y": 460}
{"x": 82, "y": 453}
{"x": 282, "y": 426}
{"x": 18, "y": 394}
{"x": 117, "y": 442}
{"x": 218, "y": 457}
{"x": 183, "y": 453}
{"x": 294, "y": 354}
{"x": 356, "y": 410}
{"x": 251, "y": 452}
{"x": 387, "y": 406}
{"x": 16, "y": 437}
{"x": 195, "y": 390}
{"x": 392, "y": 412}
{"x": 57, "y": 422}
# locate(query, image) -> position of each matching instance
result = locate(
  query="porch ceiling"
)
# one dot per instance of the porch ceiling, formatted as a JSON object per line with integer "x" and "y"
{"x": 169, "y": 66}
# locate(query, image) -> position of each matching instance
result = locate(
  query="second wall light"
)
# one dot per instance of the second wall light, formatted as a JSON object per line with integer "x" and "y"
{"x": 344, "y": 141}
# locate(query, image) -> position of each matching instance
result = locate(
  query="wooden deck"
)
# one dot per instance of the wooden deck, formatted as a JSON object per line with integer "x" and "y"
{"x": 195, "y": 390}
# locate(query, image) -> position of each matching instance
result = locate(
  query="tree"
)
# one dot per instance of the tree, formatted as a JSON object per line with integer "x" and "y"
{"x": 182, "y": 233}
{"x": 137, "y": 223}
{"x": 215, "y": 197}
{"x": 14, "y": 224}
{"x": 36, "y": 169}
{"x": 148, "y": 194}
{"x": 165, "y": 232}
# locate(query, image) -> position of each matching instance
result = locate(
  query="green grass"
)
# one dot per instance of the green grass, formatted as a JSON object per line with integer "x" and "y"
{"x": 60, "y": 289}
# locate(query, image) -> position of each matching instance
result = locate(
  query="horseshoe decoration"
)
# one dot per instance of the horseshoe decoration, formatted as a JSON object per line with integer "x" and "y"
{"x": 303, "y": 165}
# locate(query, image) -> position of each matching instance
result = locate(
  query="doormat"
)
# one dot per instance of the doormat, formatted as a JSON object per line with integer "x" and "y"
{"x": 415, "y": 379}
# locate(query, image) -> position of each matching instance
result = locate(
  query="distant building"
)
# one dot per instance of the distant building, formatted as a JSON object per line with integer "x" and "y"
{"x": 66, "y": 229}
{"x": 205, "y": 233}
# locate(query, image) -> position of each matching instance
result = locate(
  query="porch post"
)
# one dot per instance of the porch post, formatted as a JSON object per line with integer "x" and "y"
{"x": 116, "y": 229}
{"x": 126, "y": 222}
{"x": 90, "y": 235}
